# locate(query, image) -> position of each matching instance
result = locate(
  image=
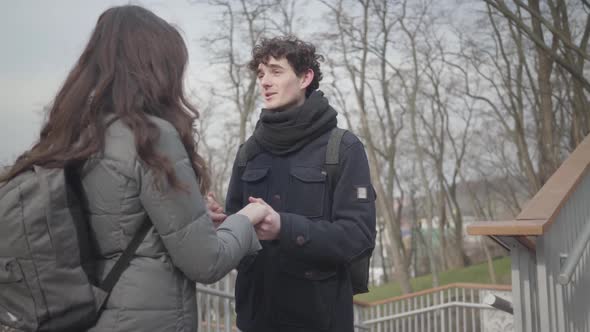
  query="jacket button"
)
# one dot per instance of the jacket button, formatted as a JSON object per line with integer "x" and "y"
{"x": 276, "y": 199}
{"x": 300, "y": 240}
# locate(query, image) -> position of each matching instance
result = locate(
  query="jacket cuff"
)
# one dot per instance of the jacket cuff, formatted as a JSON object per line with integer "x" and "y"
{"x": 294, "y": 232}
{"x": 239, "y": 224}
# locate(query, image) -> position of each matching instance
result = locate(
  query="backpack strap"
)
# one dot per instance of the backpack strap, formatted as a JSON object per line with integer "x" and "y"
{"x": 123, "y": 262}
{"x": 333, "y": 157}
{"x": 359, "y": 268}
{"x": 107, "y": 285}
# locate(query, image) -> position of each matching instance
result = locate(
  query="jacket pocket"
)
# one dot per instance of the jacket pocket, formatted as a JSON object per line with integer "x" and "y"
{"x": 248, "y": 288}
{"x": 307, "y": 191}
{"x": 16, "y": 302}
{"x": 304, "y": 297}
{"x": 254, "y": 183}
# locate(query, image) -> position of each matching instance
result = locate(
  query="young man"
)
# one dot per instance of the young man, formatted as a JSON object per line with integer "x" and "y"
{"x": 300, "y": 280}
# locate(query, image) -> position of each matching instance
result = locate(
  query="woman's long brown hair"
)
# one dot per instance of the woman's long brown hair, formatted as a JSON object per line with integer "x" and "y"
{"x": 132, "y": 67}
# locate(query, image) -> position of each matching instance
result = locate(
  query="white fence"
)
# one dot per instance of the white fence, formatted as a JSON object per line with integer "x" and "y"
{"x": 549, "y": 245}
{"x": 452, "y": 308}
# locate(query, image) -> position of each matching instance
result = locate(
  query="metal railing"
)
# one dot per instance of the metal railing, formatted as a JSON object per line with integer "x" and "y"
{"x": 550, "y": 286}
{"x": 548, "y": 243}
{"x": 216, "y": 306}
{"x": 452, "y": 308}
{"x": 572, "y": 260}
{"x": 565, "y": 307}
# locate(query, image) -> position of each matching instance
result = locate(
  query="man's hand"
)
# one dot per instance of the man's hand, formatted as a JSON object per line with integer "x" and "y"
{"x": 270, "y": 227}
{"x": 215, "y": 210}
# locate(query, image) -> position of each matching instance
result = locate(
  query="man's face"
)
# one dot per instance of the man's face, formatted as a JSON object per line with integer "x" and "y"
{"x": 279, "y": 85}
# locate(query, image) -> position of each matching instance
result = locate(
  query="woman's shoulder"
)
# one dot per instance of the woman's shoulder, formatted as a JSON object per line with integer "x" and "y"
{"x": 119, "y": 128}
{"x": 120, "y": 142}
{"x": 120, "y": 133}
{"x": 169, "y": 142}
{"x": 165, "y": 127}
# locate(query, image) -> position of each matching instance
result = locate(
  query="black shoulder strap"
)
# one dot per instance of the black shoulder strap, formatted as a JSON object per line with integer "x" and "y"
{"x": 123, "y": 261}
{"x": 247, "y": 151}
{"x": 107, "y": 285}
{"x": 333, "y": 157}
{"x": 359, "y": 268}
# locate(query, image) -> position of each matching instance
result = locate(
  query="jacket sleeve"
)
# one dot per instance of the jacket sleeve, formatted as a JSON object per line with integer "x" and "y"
{"x": 351, "y": 233}
{"x": 202, "y": 253}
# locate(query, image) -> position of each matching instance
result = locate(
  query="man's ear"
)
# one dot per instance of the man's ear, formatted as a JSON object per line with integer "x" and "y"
{"x": 306, "y": 79}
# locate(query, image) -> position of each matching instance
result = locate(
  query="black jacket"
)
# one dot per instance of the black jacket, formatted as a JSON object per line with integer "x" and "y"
{"x": 300, "y": 282}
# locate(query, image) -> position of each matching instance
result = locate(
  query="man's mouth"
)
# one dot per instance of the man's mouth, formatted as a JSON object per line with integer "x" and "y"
{"x": 269, "y": 95}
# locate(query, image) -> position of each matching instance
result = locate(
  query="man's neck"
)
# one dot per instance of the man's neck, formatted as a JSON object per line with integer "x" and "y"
{"x": 289, "y": 106}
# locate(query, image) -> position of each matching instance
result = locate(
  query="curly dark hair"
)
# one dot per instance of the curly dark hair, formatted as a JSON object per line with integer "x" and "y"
{"x": 300, "y": 55}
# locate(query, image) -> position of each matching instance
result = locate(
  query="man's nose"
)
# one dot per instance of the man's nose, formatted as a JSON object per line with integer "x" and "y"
{"x": 265, "y": 81}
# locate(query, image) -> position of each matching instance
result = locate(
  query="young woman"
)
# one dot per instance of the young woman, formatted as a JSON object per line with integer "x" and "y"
{"x": 122, "y": 114}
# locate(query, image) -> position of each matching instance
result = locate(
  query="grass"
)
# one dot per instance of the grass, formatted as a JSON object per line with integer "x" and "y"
{"x": 472, "y": 274}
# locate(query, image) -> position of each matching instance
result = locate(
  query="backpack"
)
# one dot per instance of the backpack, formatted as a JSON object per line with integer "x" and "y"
{"x": 359, "y": 268}
{"x": 46, "y": 281}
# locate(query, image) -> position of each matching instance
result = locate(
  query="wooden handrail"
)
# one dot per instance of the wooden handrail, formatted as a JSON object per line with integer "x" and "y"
{"x": 540, "y": 212}
{"x": 509, "y": 228}
{"x": 434, "y": 290}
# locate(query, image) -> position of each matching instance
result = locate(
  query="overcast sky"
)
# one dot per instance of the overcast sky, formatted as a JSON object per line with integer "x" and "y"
{"x": 41, "y": 40}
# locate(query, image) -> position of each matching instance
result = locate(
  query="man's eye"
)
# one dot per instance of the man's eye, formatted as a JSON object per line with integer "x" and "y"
{"x": 276, "y": 72}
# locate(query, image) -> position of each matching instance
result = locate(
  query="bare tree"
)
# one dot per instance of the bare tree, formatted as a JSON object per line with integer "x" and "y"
{"x": 436, "y": 105}
{"x": 560, "y": 36}
{"x": 411, "y": 81}
{"x": 447, "y": 105}
{"x": 241, "y": 26}
{"x": 351, "y": 52}
{"x": 213, "y": 148}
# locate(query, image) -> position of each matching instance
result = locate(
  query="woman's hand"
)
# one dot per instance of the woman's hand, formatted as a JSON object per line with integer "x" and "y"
{"x": 215, "y": 210}
{"x": 255, "y": 211}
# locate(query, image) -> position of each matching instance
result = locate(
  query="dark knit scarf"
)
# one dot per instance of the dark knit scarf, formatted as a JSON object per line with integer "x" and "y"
{"x": 283, "y": 132}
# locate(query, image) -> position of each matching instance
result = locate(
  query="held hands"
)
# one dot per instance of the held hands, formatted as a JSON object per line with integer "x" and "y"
{"x": 266, "y": 221}
{"x": 255, "y": 211}
{"x": 270, "y": 227}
